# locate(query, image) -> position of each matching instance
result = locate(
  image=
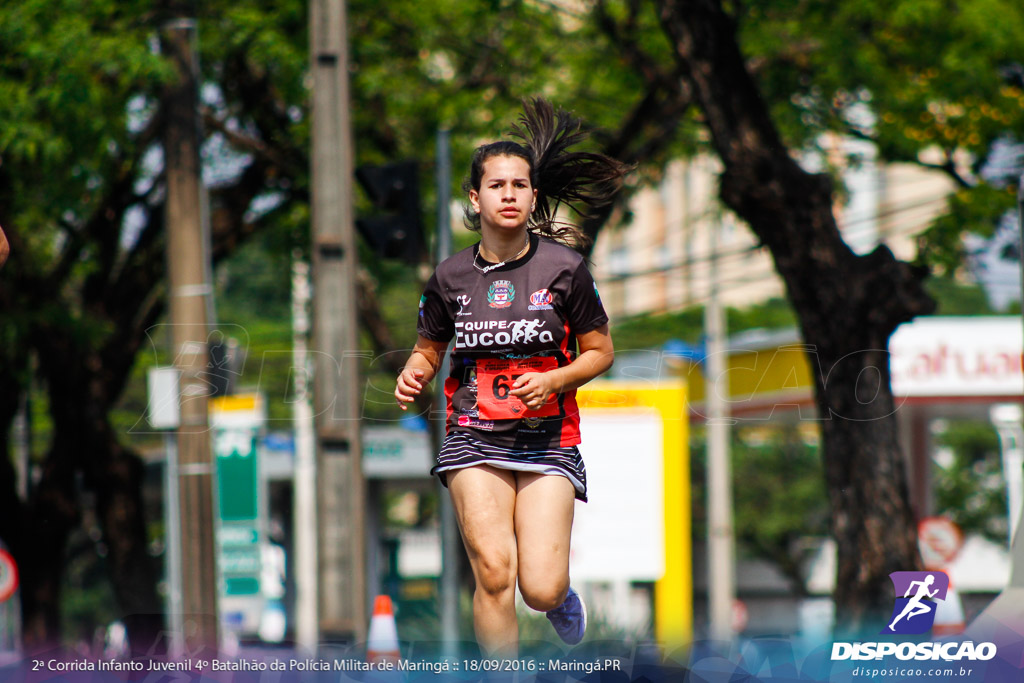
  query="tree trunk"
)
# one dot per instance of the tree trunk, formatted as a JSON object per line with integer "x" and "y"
{"x": 85, "y": 326}
{"x": 12, "y": 509}
{"x": 53, "y": 514}
{"x": 117, "y": 481}
{"x": 847, "y": 305}
{"x": 85, "y": 453}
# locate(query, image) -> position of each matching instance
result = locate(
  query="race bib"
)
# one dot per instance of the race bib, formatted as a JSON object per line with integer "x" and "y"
{"x": 494, "y": 388}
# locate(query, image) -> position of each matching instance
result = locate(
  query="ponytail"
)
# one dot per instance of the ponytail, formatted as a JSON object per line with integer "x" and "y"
{"x": 582, "y": 180}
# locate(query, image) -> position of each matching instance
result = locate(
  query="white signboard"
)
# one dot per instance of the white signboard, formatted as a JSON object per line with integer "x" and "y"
{"x": 620, "y": 532}
{"x": 949, "y": 356}
{"x": 162, "y": 394}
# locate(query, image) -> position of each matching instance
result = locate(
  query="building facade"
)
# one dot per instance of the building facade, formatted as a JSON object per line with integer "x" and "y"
{"x": 678, "y": 235}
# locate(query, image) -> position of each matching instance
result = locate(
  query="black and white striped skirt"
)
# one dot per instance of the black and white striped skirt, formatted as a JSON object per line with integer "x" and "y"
{"x": 460, "y": 450}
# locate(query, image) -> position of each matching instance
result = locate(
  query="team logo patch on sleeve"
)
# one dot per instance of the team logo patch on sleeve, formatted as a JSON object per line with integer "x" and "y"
{"x": 500, "y": 294}
{"x": 541, "y": 300}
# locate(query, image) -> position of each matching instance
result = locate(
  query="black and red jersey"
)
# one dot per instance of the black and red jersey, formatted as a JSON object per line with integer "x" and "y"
{"x": 520, "y": 317}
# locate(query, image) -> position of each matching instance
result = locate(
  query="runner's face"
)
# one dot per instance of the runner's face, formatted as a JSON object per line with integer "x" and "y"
{"x": 505, "y": 197}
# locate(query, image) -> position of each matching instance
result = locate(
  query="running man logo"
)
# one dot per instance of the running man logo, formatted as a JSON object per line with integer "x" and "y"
{"x": 916, "y": 593}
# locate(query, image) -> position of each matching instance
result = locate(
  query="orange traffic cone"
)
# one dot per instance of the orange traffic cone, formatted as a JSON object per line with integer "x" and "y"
{"x": 949, "y": 615}
{"x": 382, "y": 640}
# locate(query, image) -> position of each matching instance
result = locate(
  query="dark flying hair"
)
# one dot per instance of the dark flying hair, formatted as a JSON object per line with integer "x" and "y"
{"x": 582, "y": 180}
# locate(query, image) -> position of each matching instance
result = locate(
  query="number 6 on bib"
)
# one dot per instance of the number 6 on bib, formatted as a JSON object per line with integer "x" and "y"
{"x": 495, "y": 378}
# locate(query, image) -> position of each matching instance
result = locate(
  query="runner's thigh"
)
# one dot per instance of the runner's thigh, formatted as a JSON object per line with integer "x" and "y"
{"x": 484, "y": 499}
{"x": 543, "y": 524}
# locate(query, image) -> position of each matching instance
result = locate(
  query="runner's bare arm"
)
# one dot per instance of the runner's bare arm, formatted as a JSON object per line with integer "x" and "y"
{"x": 5, "y": 248}
{"x": 421, "y": 367}
{"x": 596, "y": 355}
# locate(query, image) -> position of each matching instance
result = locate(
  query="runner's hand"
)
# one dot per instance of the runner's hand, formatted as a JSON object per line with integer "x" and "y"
{"x": 533, "y": 389}
{"x": 408, "y": 386}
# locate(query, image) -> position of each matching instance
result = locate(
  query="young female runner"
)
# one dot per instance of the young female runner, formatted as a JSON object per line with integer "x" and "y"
{"x": 529, "y": 328}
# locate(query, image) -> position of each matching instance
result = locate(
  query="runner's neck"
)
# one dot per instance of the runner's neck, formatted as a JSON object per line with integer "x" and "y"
{"x": 495, "y": 248}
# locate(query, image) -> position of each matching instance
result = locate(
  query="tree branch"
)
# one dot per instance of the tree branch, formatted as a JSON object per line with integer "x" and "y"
{"x": 266, "y": 111}
{"x": 947, "y": 167}
{"x": 626, "y": 39}
{"x": 246, "y": 143}
{"x": 106, "y": 219}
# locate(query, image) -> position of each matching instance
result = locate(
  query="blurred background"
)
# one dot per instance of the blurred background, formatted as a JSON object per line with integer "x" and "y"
{"x": 814, "y": 181}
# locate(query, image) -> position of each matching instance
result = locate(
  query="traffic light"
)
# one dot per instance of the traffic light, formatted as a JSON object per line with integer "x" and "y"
{"x": 394, "y": 189}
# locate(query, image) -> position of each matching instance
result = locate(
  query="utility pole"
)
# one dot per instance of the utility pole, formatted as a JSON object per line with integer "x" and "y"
{"x": 340, "y": 485}
{"x": 721, "y": 543}
{"x": 187, "y": 258}
{"x": 304, "y": 563}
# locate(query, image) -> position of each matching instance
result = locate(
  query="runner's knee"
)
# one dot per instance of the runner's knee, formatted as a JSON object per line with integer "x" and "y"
{"x": 495, "y": 573}
{"x": 543, "y": 596}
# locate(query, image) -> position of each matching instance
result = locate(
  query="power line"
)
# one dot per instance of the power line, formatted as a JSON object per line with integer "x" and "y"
{"x": 705, "y": 258}
{"x": 735, "y": 283}
{"x": 680, "y": 224}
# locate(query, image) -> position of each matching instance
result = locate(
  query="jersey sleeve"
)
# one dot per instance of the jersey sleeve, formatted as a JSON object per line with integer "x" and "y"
{"x": 435, "y": 321}
{"x": 586, "y": 312}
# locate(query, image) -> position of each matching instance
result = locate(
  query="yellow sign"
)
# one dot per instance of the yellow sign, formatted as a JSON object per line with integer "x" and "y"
{"x": 758, "y": 375}
{"x": 236, "y": 404}
{"x": 673, "y": 592}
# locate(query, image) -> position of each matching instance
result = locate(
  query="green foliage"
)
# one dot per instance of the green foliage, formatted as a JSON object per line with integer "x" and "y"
{"x": 62, "y": 58}
{"x": 653, "y": 331}
{"x": 976, "y": 210}
{"x": 925, "y": 80}
{"x": 779, "y": 497}
{"x": 779, "y": 491}
{"x": 957, "y": 298}
{"x": 772, "y": 314}
{"x": 68, "y": 76}
{"x": 968, "y": 479}
{"x": 928, "y": 70}
{"x": 268, "y": 367}
{"x": 255, "y": 282}
{"x": 88, "y": 605}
